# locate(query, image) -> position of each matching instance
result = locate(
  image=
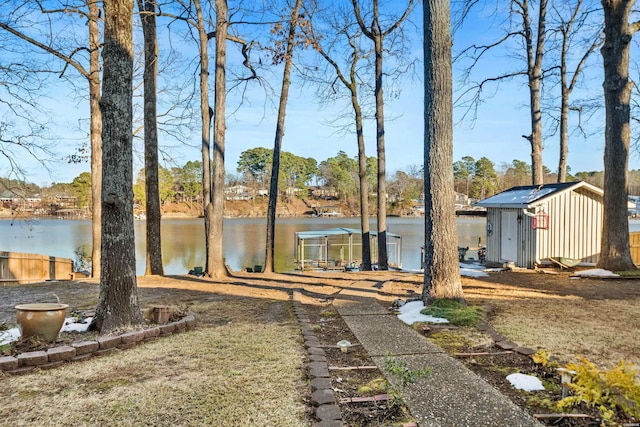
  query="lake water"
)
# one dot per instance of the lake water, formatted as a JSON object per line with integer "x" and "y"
{"x": 244, "y": 239}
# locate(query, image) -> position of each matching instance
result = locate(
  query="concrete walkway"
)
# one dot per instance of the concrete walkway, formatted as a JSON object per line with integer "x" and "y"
{"x": 451, "y": 395}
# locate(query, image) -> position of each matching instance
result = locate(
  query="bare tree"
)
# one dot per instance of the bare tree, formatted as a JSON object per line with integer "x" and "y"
{"x": 118, "y": 298}
{"x": 147, "y": 10}
{"x": 532, "y": 34}
{"x": 215, "y": 261}
{"x": 23, "y": 123}
{"x": 95, "y": 132}
{"x": 206, "y": 114}
{"x": 277, "y": 145}
{"x": 349, "y": 78}
{"x": 92, "y": 75}
{"x": 213, "y": 173}
{"x": 618, "y": 32}
{"x": 441, "y": 271}
{"x": 534, "y": 74}
{"x": 568, "y": 28}
{"x": 377, "y": 34}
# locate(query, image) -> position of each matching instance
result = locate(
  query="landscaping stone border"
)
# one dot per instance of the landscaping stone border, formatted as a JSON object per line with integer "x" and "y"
{"x": 323, "y": 399}
{"x": 82, "y": 350}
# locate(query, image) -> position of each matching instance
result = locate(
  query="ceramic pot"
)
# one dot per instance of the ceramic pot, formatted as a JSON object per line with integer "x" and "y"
{"x": 41, "y": 320}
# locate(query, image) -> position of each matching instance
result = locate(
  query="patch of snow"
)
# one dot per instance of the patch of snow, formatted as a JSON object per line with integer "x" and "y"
{"x": 9, "y": 336}
{"x": 472, "y": 272}
{"x": 596, "y": 272}
{"x": 525, "y": 382}
{"x": 71, "y": 326}
{"x": 466, "y": 269}
{"x": 410, "y": 314}
{"x": 472, "y": 265}
{"x": 13, "y": 334}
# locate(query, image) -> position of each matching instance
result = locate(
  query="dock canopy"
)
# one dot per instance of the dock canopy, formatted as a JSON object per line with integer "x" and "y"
{"x": 341, "y": 248}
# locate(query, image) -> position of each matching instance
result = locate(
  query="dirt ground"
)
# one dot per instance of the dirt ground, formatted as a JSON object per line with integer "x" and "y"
{"x": 565, "y": 316}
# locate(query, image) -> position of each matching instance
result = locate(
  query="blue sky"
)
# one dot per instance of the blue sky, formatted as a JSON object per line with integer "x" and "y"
{"x": 495, "y": 134}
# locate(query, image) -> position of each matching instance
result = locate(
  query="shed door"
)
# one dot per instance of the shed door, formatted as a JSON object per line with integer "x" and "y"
{"x": 509, "y": 236}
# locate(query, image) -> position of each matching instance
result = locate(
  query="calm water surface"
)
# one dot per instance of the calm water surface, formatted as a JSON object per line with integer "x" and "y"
{"x": 244, "y": 239}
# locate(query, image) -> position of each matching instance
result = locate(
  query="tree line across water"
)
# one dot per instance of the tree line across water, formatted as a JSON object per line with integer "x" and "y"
{"x": 476, "y": 179}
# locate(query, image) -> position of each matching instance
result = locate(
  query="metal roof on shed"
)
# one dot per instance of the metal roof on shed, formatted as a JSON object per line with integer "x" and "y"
{"x": 525, "y": 196}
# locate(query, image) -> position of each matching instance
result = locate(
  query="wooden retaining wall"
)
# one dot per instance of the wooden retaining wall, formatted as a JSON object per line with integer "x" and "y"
{"x": 17, "y": 267}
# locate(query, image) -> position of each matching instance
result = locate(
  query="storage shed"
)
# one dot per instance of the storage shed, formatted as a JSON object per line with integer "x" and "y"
{"x": 528, "y": 225}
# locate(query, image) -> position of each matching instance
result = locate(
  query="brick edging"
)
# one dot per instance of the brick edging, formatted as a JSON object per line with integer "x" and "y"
{"x": 326, "y": 409}
{"x": 83, "y": 350}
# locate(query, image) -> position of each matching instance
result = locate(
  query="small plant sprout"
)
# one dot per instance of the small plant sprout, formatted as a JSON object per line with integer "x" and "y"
{"x": 541, "y": 358}
{"x": 401, "y": 375}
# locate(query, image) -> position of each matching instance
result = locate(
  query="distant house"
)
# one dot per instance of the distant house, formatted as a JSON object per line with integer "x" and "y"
{"x": 237, "y": 192}
{"x": 66, "y": 201}
{"x": 461, "y": 199}
{"x": 529, "y": 224}
{"x": 17, "y": 199}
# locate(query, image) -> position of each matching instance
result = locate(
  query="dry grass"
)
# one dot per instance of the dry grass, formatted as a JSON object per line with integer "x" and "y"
{"x": 603, "y": 331}
{"x": 599, "y": 320}
{"x": 241, "y": 366}
{"x": 233, "y": 370}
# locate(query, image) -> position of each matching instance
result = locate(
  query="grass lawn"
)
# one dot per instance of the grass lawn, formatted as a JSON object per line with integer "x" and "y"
{"x": 237, "y": 368}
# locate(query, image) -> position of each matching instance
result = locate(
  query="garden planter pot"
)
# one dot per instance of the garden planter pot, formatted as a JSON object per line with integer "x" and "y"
{"x": 41, "y": 320}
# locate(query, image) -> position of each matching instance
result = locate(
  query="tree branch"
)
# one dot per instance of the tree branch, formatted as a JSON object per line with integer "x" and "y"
{"x": 48, "y": 49}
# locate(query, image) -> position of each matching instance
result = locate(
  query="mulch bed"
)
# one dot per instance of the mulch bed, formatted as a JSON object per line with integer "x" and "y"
{"x": 330, "y": 328}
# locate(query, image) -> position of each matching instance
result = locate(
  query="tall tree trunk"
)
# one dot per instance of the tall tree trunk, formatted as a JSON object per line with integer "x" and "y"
{"x": 441, "y": 270}
{"x": 95, "y": 131}
{"x": 566, "y": 88}
{"x": 564, "y": 130}
{"x": 352, "y": 85}
{"x": 615, "y": 253}
{"x": 376, "y": 34}
{"x": 383, "y": 258}
{"x": 269, "y": 262}
{"x": 362, "y": 176}
{"x": 154, "y": 241}
{"x": 118, "y": 298}
{"x": 205, "y": 113}
{"x": 564, "y": 104}
{"x": 216, "y": 265}
{"x": 534, "y": 73}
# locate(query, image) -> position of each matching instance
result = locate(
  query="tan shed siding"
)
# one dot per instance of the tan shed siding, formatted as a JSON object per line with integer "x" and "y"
{"x": 595, "y": 219}
{"x": 575, "y": 227}
{"x": 544, "y": 238}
